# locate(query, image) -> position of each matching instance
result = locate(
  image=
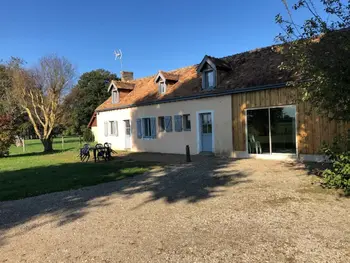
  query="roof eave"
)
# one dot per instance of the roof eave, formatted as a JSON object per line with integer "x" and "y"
{"x": 200, "y": 96}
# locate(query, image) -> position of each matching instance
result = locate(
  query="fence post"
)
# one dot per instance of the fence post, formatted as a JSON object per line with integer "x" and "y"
{"x": 24, "y": 145}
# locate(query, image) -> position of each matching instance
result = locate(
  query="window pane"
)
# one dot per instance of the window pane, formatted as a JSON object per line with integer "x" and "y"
{"x": 111, "y": 127}
{"x": 147, "y": 127}
{"x": 211, "y": 79}
{"x": 258, "y": 131}
{"x": 283, "y": 135}
{"x": 187, "y": 122}
{"x": 209, "y": 118}
{"x": 162, "y": 87}
{"x": 206, "y": 123}
{"x": 127, "y": 127}
{"x": 209, "y": 128}
{"x": 205, "y": 119}
{"x": 161, "y": 123}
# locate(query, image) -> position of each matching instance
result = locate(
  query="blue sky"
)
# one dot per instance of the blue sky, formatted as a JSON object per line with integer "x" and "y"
{"x": 153, "y": 35}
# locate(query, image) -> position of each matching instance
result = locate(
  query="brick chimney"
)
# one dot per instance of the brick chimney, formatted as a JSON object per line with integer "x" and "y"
{"x": 126, "y": 75}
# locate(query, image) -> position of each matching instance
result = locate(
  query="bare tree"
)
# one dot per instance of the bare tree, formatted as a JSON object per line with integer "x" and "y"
{"x": 39, "y": 92}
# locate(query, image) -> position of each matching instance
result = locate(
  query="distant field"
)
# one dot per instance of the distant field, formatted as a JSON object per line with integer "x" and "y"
{"x": 35, "y": 173}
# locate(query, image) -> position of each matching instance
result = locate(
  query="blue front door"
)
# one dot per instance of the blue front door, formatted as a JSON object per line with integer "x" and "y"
{"x": 206, "y": 132}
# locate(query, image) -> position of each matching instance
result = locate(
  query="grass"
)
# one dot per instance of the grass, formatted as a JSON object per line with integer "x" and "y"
{"x": 34, "y": 173}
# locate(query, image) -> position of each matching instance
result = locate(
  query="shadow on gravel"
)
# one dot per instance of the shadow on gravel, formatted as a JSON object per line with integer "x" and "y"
{"x": 312, "y": 168}
{"x": 203, "y": 179}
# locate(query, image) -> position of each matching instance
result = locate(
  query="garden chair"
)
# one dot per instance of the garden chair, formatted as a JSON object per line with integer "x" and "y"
{"x": 109, "y": 150}
{"x": 101, "y": 152}
{"x": 85, "y": 153}
{"x": 254, "y": 145}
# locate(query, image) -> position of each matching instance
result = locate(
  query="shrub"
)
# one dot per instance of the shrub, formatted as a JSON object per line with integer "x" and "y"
{"x": 6, "y": 134}
{"x": 70, "y": 131}
{"x": 88, "y": 136}
{"x": 338, "y": 176}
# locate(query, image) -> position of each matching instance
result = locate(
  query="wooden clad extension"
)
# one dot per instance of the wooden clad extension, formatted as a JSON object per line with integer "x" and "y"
{"x": 312, "y": 129}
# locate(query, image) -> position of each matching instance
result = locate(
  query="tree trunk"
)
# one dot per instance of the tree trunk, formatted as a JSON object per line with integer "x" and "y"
{"x": 47, "y": 145}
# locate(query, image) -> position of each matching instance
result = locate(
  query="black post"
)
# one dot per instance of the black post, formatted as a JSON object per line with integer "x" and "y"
{"x": 188, "y": 154}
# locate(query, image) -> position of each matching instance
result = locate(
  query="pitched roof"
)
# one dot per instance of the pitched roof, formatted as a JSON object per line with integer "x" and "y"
{"x": 92, "y": 122}
{"x": 220, "y": 63}
{"x": 254, "y": 68}
{"x": 121, "y": 85}
{"x": 169, "y": 76}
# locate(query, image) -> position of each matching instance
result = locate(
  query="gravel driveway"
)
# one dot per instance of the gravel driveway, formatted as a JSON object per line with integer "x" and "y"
{"x": 213, "y": 210}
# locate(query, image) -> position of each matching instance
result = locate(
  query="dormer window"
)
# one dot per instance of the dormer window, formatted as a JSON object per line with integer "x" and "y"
{"x": 209, "y": 80}
{"x": 162, "y": 87}
{"x": 164, "y": 79}
{"x": 115, "y": 96}
{"x": 211, "y": 69}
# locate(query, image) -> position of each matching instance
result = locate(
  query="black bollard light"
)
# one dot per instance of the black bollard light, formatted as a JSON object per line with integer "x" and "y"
{"x": 188, "y": 154}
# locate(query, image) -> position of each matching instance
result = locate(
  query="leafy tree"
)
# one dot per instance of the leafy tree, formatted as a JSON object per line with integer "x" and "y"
{"x": 317, "y": 52}
{"x": 5, "y": 85}
{"x": 6, "y": 134}
{"x": 84, "y": 98}
{"x": 9, "y": 108}
{"x": 39, "y": 92}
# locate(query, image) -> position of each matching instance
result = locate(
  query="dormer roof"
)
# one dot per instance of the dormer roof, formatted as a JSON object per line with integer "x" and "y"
{"x": 166, "y": 76}
{"x": 121, "y": 85}
{"x": 215, "y": 63}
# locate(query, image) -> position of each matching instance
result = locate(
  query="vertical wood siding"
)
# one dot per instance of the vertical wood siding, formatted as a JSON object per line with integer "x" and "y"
{"x": 312, "y": 129}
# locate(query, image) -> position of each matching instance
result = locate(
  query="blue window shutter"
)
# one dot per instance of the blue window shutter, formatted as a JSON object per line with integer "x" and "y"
{"x": 153, "y": 128}
{"x": 139, "y": 128}
{"x": 116, "y": 128}
{"x": 168, "y": 124}
{"x": 178, "y": 123}
{"x": 106, "y": 128}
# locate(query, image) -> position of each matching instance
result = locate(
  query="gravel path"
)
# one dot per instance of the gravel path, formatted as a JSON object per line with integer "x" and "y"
{"x": 213, "y": 210}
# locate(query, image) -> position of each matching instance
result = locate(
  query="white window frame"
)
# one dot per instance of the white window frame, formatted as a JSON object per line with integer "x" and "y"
{"x": 142, "y": 128}
{"x": 160, "y": 87}
{"x": 115, "y": 96}
{"x": 111, "y": 126}
{"x": 205, "y": 82}
{"x": 161, "y": 129}
{"x": 184, "y": 122}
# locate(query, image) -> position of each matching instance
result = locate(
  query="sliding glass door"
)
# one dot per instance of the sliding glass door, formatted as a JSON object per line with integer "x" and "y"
{"x": 271, "y": 130}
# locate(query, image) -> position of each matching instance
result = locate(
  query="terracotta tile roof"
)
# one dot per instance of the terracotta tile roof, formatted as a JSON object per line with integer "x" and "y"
{"x": 249, "y": 69}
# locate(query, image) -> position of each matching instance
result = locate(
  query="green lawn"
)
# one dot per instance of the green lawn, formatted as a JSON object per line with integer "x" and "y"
{"x": 34, "y": 173}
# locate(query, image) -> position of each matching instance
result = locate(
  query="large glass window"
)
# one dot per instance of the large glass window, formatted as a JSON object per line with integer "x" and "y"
{"x": 283, "y": 137}
{"x": 271, "y": 130}
{"x": 258, "y": 131}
